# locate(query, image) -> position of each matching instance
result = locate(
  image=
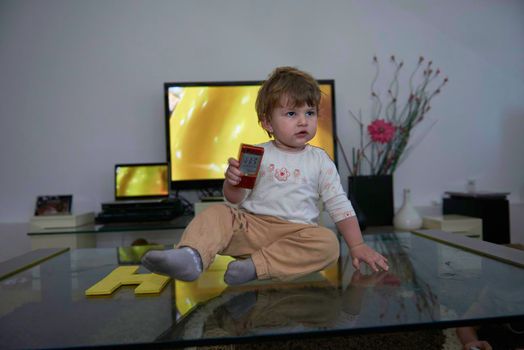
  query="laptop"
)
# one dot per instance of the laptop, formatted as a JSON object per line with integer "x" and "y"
{"x": 141, "y": 182}
{"x": 141, "y": 195}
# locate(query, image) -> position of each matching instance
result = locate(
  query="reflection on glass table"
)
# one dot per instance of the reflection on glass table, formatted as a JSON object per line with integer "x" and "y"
{"x": 429, "y": 284}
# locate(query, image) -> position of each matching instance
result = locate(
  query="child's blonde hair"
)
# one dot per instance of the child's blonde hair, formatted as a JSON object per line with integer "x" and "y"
{"x": 297, "y": 86}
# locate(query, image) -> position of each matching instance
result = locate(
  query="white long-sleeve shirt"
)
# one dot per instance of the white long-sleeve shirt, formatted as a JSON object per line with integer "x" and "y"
{"x": 290, "y": 184}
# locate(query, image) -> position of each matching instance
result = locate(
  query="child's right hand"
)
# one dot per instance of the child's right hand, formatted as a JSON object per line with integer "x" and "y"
{"x": 233, "y": 174}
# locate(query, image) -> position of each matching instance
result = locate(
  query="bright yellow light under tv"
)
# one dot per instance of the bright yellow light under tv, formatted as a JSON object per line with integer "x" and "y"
{"x": 208, "y": 124}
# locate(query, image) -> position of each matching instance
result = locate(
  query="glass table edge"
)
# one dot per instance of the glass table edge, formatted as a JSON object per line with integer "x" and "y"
{"x": 491, "y": 250}
{"x": 28, "y": 260}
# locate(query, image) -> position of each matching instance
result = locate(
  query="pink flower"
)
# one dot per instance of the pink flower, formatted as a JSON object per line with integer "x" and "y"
{"x": 281, "y": 174}
{"x": 381, "y": 131}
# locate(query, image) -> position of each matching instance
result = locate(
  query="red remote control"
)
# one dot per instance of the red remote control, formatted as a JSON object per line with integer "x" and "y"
{"x": 250, "y": 158}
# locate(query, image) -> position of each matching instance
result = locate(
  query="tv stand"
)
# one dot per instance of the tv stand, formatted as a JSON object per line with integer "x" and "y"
{"x": 109, "y": 235}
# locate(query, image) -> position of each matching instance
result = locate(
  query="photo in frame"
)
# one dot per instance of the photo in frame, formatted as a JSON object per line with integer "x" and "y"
{"x": 54, "y": 205}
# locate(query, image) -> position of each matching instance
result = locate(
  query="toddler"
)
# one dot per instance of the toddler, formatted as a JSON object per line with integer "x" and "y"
{"x": 274, "y": 231}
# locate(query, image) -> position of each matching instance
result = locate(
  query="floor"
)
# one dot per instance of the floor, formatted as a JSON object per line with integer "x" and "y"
{"x": 452, "y": 341}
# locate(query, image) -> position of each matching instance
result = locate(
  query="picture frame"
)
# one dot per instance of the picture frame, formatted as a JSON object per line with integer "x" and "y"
{"x": 53, "y": 205}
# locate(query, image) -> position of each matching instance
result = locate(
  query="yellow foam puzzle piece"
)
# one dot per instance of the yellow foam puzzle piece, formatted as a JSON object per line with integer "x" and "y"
{"x": 148, "y": 283}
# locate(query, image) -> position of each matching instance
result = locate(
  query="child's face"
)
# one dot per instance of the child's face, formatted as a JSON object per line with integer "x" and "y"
{"x": 292, "y": 127}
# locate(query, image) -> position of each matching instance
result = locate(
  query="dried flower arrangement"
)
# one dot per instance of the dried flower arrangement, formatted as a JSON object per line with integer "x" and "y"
{"x": 385, "y": 145}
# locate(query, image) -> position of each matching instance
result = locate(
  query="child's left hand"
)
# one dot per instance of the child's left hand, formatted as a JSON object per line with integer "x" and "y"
{"x": 363, "y": 252}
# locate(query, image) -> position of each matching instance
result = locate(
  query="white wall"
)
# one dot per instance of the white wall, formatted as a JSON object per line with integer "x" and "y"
{"x": 81, "y": 83}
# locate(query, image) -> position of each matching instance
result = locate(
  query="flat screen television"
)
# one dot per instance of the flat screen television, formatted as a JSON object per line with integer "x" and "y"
{"x": 207, "y": 121}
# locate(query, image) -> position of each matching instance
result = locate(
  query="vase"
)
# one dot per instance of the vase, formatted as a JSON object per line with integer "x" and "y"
{"x": 372, "y": 199}
{"x": 407, "y": 217}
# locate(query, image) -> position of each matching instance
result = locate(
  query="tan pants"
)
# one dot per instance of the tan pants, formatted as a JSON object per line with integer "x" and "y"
{"x": 279, "y": 249}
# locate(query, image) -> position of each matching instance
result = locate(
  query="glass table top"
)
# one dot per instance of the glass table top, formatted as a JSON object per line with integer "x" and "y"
{"x": 430, "y": 284}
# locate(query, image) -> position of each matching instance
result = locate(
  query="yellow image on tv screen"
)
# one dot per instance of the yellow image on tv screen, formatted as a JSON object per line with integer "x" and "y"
{"x": 208, "y": 123}
{"x": 141, "y": 181}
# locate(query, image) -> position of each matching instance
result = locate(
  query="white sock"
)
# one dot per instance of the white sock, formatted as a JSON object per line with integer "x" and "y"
{"x": 182, "y": 264}
{"x": 240, "y": 271}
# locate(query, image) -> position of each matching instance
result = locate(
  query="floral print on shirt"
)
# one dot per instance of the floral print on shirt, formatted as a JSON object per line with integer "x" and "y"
{"x": 281, "y": 174}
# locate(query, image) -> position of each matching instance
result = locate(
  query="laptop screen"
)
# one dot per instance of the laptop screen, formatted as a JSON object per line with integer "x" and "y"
{"x": 141, "y": 181}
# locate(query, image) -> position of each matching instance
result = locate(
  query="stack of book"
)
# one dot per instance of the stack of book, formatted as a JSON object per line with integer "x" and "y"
{"x": 464, "y": 225}
{"x": 62, "y": 220}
